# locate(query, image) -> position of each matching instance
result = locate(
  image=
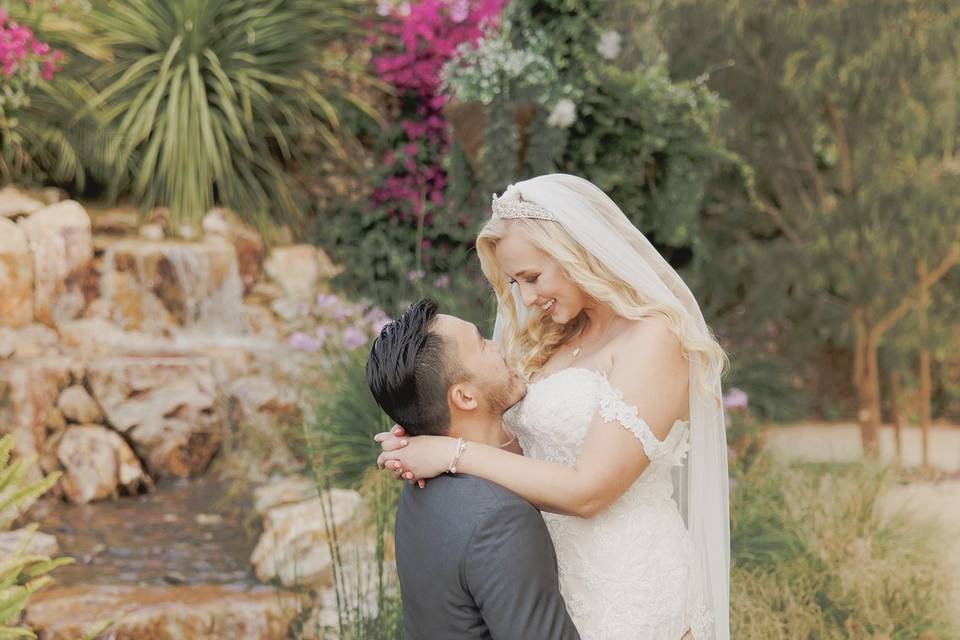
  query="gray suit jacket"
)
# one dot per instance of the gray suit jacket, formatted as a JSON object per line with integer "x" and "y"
{"x": 476, "y": 561}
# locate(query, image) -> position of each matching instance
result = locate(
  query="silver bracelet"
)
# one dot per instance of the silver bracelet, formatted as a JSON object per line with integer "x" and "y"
{"x": 461, "y": 446}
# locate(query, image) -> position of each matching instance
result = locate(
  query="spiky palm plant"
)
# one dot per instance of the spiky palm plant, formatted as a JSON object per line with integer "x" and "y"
{"x": 209, "y": 101}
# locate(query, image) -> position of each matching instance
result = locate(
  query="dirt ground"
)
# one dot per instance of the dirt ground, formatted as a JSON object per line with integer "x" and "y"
{"x": 928, "y": 501}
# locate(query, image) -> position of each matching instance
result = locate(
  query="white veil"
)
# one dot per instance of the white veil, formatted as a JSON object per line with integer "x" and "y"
{"x": 701, "y": 488}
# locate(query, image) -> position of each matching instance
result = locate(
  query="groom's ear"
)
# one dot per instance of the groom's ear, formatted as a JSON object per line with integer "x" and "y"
{"x": 463, "y": 396}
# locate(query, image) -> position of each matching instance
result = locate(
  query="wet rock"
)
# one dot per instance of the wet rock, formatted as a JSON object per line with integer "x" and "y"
{"x": 152, "y": 232}
{"x": 215, "y": 223}
{"x": 77, "y": 406}
{"x": 284, "y": 491}
{"x": 14, "y": 203}
{"x": 37, "y": 542}
{"x": 92, "y": 336}
{"x": 166, "y": 405}
{"x": 119, "y": 221}
{"x": 31, "y": 341}
{"x": 195, "y": 283}
{"x": 97, "y": 462}
{"x": 293, "y": 546}
{"x": 296, "y": 268}
{"x": 16, "y": 276}
{"x": 29, "y": 388}
{"x": 61, "y": 242}
{"x": 163, "y": 613}
{"x": 55, "y": 420}
{"x": 252, "y": 395}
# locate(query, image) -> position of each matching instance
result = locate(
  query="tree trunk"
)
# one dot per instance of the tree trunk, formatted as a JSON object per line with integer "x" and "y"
{"x": 895, "y": 414}
{"x": 866, "y": 379}
{"x": 924, "y": 303}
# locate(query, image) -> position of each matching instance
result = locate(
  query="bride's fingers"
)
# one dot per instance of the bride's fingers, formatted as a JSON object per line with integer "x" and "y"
{"x": 392, "y": 444}
{"x": 383, "y": 435}
{"x": 398, "y": 431}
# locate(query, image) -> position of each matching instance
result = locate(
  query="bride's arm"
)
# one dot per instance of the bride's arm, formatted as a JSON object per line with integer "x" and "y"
{"x": 612, "y": 457}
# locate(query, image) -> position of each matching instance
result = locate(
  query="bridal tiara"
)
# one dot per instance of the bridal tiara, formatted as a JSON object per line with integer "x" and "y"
{"x": 513, "y": 209}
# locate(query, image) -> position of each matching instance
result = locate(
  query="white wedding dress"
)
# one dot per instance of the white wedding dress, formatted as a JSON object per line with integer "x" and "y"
{"x": 627, "y": 573}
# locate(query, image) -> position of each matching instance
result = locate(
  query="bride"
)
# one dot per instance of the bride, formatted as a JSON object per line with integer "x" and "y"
{"x": 621, "y": 429}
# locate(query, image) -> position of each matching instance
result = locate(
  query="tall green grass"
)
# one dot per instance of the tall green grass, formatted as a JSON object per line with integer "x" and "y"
{"x": 816, "y": 558}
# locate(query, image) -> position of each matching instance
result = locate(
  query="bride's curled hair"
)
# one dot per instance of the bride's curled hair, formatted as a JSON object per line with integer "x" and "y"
{"x": 528, "y": 347}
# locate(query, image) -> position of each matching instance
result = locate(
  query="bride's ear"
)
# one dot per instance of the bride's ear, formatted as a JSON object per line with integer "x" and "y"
{"x": 463, "y": 396}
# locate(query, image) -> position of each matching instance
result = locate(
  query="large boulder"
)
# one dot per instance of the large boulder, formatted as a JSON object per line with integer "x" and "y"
{"x": 166, "y": 405}
{"x": 97, "y": 462}
{"x": 14, "y": 203}
{"x": 16, "y": 276}
{"x": 77, "y": 406}
{"x": 294, "y": 548}
{"x": 299, "y": 269}
{"x": 287, "y": 490}
{"x": 163, "y": 613}
{"x": 62, "y": 246}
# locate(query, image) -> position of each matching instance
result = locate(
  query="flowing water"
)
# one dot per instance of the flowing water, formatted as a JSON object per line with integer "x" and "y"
{"x": 184, "y": 532}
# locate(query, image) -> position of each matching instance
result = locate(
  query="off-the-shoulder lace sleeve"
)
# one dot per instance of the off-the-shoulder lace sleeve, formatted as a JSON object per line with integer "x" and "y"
{"x": 613, "y": 408}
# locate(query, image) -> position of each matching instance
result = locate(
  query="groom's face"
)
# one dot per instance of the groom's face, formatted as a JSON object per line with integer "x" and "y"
{"x": 496, "y": 386}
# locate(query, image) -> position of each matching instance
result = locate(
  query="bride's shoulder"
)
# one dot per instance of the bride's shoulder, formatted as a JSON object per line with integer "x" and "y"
{"x": 650, "y": 332}
{"x": 648, "y": 344}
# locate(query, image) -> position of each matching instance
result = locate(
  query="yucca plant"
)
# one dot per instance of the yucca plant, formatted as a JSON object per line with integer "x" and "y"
{"x": 21, "y": 573}
{"x": 207, "y": 101}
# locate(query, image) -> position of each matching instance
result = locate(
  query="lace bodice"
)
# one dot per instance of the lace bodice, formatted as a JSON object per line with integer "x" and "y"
{"x": 626, "y": 572}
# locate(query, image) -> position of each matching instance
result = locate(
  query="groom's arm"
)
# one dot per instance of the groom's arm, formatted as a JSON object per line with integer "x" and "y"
{"x": 511, "y": 572}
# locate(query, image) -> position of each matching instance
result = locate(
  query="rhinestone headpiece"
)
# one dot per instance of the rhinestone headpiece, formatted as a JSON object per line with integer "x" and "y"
{"x": 515, "y": 208}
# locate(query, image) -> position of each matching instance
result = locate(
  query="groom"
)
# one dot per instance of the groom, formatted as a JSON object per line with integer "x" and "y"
{"x": 475, "y": 561}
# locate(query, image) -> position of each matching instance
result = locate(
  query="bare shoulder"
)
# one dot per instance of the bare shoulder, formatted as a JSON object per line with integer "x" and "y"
{"x": 650, "y": 339}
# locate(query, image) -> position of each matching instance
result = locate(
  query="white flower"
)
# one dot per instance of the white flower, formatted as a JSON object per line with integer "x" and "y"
{"x": 609, "y": 45}
{"x": 404, "y": 9}
{"x": 563, "y": 115}
{"x": 384, "y": 8}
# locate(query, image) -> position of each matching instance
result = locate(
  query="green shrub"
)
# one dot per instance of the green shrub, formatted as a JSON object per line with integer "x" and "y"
{"x": 815, "y": 558}
{"x": 23, "y": 573}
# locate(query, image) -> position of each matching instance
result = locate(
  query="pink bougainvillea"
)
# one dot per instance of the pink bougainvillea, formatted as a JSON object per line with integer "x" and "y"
{"x": 415, "y": 40}
{"x": 22, "y": 55}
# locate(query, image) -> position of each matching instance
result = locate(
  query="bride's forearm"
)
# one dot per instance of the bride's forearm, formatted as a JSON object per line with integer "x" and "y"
{"x": 547, "y": 485}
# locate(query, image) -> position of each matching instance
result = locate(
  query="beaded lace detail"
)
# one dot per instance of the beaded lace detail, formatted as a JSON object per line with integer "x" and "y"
{"x": 626, "y": 573}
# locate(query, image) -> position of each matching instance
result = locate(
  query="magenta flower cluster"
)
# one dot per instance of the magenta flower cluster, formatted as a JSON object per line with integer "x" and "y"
{"x": 23, "y": 55}
{"x": 416, "y": 39}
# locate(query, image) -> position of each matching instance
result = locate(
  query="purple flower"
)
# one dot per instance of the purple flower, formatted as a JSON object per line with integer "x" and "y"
{"x": 442, "y": 282}
{"x": 377, "y": 319}
{"x": 353, "y": 337}
{"x": 302, "y": 342}
{"x": 326, "y": 301}
{"x": 342, "y": 312}
{"x": 735, "y": 399}
{"x": 416, "y": 276}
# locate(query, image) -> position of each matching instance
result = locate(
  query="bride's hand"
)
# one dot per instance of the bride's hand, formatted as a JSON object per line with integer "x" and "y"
{"x": 423, "y": 457}
{"x": 391, "y": 441}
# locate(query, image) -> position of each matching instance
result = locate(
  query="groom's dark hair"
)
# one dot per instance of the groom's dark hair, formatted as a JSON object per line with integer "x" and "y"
{"x": 410, "y": 369}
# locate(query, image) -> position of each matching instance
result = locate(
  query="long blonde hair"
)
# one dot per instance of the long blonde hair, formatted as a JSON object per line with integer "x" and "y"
{"x": 527, "y": 348}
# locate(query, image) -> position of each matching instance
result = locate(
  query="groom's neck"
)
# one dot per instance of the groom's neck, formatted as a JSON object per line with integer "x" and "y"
{"x": 485, "y": 429}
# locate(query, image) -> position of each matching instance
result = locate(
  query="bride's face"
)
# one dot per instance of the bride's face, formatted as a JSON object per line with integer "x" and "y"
{"x": 540, "y": 279}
